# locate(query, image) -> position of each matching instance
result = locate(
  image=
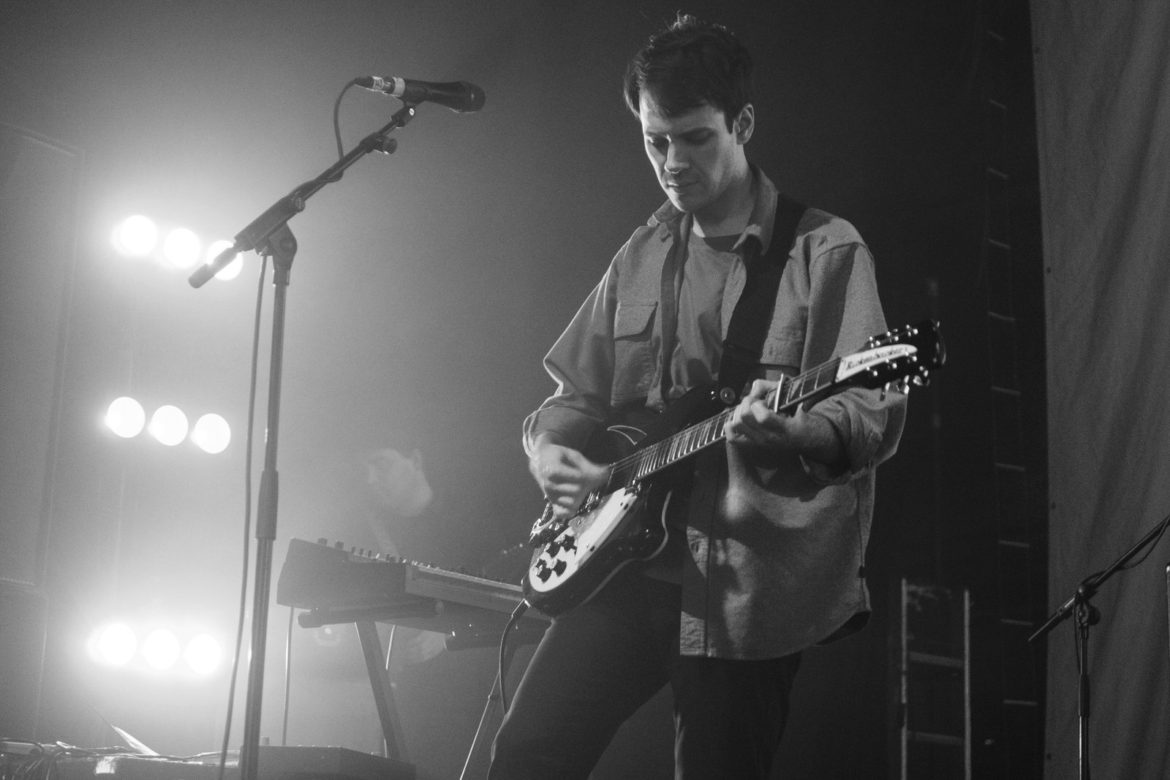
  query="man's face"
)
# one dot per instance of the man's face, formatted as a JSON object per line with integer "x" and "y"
{"x": 694, "y": 155}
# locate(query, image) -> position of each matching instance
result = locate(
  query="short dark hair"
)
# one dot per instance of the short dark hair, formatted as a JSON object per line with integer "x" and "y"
{"x": 689, "y": 64}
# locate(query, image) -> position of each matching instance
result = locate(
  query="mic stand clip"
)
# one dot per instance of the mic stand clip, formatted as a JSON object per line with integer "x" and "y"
{"x": 280, "y": 212}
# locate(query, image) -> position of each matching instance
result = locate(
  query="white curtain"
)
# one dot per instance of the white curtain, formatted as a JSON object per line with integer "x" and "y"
{"x": 1103, "y": 109}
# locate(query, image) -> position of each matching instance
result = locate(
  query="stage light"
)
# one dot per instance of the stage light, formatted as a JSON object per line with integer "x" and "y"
{"x": 211, "y": 433}
{"x": 181, "y": 248}
{"x": 161, "y": 649}
{"x": 173, "y": 649}
{"x": 168, "y": 424}
{"x": 113, "y": 644}
{"x": 135, "y": 236}
{"x": 203, "y": 654}
{"x": 125, "y": 417}
{"x": 232, "y": 269}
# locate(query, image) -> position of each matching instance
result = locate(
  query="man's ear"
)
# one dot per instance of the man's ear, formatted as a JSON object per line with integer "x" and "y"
{"x": 744, "y": 124}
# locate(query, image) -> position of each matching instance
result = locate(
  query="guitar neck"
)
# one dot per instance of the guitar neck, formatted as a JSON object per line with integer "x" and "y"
{"x": 815, "y": 383}
{"x": 660, "y": 455}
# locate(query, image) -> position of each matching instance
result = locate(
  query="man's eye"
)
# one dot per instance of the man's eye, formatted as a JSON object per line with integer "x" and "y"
{"x": 658, "y": 143}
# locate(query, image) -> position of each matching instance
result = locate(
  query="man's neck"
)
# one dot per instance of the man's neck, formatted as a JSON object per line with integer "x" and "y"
{"x": 733, "y": 212}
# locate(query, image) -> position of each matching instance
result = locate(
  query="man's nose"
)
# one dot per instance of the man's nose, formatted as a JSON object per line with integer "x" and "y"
{"x": 676, "y": 160}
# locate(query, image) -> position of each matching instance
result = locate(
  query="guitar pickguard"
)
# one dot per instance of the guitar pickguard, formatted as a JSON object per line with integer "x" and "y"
{"x": 593, "y": 546}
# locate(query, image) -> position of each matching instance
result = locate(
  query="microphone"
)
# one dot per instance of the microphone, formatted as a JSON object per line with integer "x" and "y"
{"x": 456, "y": 95}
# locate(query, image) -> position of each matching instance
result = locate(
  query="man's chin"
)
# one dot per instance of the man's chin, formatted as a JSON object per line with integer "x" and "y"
{"x": 681, "y": 202}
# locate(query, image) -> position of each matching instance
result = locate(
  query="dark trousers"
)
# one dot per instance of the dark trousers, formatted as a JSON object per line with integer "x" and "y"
{"x": 598, "y": 663}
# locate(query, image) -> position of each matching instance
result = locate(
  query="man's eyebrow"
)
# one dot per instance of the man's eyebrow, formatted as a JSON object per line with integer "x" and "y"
{"x": 694, "y": 131}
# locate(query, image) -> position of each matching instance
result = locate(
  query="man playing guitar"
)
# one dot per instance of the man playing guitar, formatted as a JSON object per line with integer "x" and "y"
{"x": 766, "y": 530}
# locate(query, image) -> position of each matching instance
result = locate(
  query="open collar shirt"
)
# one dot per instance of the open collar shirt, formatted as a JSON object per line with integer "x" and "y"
{"x": 775, "y": 547}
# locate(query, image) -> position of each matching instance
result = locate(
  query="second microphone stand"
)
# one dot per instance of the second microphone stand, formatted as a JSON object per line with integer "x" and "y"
{"x": 1080, "y": 606}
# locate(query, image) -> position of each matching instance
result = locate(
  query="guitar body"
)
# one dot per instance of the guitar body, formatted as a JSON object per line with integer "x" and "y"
{"x": 625, "y": 521}
{"x": 596, "y": 544}
{"x": 578, "y": 556}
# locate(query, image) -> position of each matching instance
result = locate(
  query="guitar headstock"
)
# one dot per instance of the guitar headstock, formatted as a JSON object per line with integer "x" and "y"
{"x": 896, "y": 359}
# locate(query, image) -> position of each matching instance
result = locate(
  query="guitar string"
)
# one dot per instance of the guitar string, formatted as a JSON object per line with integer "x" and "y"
{"x": 652, "y": 458}
{"x": 661, "y": 454}
{"x": 709, "y": 431}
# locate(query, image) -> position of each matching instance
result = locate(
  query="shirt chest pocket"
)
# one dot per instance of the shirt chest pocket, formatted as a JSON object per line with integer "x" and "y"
{"x": 635, "y": 346}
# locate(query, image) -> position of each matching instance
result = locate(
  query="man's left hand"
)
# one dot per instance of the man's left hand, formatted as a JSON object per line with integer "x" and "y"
{"x": 755, "y": 425}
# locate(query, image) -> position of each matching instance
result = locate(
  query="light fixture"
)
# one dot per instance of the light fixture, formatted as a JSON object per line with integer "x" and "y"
{"x": 203, "y": 654}
{"x": 211, "y": 433}
{"x": 181, "y": 248}
{"x": 168, "y": 425}
{"x": 161, "y": 649}
{"x": 125, "y": 417}
{"x": 135, "y": 236}
{"x": 113, "y": 644}
{"x": 232, "y": 269}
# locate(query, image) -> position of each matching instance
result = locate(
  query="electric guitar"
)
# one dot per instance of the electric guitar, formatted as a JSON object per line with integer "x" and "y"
{"x": 617, "y": 524}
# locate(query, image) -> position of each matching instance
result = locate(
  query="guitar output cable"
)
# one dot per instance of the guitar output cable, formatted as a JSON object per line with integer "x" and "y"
{"x": 506, "y": 652}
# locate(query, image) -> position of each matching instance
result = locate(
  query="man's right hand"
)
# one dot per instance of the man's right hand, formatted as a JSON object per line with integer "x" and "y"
{"x": 564, "y": 475}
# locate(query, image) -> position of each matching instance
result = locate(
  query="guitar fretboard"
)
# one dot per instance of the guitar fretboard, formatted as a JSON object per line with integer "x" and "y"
{"x": 660, "y": 455}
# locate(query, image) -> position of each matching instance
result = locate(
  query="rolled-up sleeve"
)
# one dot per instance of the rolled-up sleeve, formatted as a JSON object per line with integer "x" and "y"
{"x": 843, "y": 311}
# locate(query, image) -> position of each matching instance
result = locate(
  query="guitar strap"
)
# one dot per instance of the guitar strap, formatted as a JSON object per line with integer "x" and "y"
{"x": 744, "y": 343}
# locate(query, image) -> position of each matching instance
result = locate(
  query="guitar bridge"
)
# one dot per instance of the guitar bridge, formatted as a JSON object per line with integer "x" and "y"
{"x": 546, "y": 528}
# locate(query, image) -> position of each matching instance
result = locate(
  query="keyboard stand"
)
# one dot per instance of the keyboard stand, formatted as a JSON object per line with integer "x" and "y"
{"x": 382, "y": 689}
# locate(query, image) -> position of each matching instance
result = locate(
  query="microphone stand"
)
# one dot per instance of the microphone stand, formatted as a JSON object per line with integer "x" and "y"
{"x": 1080, "y": 606}
{"x": 270, "y": 236}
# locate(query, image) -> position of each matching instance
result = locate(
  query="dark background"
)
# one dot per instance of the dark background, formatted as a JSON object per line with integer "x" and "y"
{"x": 429, "y": 283}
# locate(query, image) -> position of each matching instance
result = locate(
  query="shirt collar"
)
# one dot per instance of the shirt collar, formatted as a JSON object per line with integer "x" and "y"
{"x": 763, "y": 217}
{"x": 759, "y": 226}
